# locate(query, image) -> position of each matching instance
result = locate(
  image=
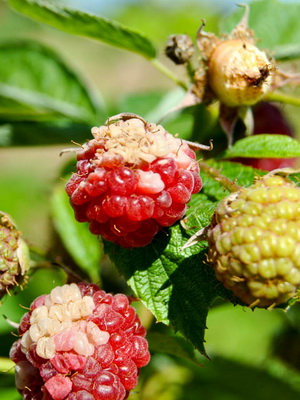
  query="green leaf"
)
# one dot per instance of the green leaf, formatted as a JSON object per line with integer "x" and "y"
{"x": 6, "y": 365}
{"x": 178, "y": 286}
{"x": 84, "y": 24}
{"x": 156, "y": 106}
{"x": 5, "y": 135}
{"x": 220, "y": 379}
{"x": 84, "y": 247}
{"x": 140, "y": 103}
{"x": 10, "y": 394}
{"x": 33, "y": 133}
{"x": 174, "y": 345}
{"x": 237, "y": 381}
{"x": 35, "y": 84}
{"x": 241, "y": 174}
{"x": 265, "y": 146}
{"x": 7, "y": 378}
{"x": 275, "y": 24}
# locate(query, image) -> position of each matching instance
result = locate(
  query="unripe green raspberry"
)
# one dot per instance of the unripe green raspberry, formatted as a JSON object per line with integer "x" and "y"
{"x": 254, "y": 242}
{"x": 14, "y": 256}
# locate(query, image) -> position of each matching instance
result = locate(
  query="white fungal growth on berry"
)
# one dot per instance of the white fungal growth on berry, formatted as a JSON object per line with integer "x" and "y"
{"x": 60, "y": 324}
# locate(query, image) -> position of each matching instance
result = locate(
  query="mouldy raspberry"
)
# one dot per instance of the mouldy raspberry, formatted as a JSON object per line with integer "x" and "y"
{"x": 132, "y": 179}
{"x": 79, "y": 343}
{"x": 14, "y": 255}
{"x": 254, "y": 241}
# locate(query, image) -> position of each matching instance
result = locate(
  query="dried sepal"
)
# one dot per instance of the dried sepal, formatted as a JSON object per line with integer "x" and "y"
{"x": 14, "y": 255}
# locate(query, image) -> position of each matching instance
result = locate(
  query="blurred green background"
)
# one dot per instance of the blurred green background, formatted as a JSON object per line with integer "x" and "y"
{"x": 254, "y": 354}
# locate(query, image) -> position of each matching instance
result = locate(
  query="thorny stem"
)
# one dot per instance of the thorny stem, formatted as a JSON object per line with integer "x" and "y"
{"x": 167, "y": 72}
{"x": 282, "y": 98}
{"x": 215, "y": 173}
{"x": 48, "y": 262}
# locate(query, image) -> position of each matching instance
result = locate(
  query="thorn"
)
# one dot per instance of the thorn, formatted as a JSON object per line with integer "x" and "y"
{"x": 270, "y": 308}
{"x": 244, "y": 22}
{"x": 197, "y": 237}
{"x": 199, "y": 31}
{"x": 255, "y": 303}
{"x": 11, "y": 323}
{"x": 199, "y": 146}
{"x": 69, "y": 150}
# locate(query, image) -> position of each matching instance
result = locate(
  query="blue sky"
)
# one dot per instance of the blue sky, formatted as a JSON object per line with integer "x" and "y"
{"x": 107, "y": 5}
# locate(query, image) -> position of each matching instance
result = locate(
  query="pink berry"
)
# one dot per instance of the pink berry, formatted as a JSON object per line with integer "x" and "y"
{"x": 79, "y": 343}
{"x": 166, "y": 168}
{"x": 122, "y": 181}
{"x": 115, "y": 205}
{"x": 179, "y": 193}
{"x": 130, "y": 173}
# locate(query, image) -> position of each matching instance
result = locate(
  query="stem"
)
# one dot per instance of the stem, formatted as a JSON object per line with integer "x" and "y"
{"x": 190, "y": 70}
{"x": 226, "y": 182}
{"x": 167, "y": 72}
{"x": 283, "y": 98}
{"x": 47, "y": 261}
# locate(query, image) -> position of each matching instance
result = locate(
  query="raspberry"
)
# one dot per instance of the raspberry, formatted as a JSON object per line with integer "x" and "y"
{"x": 79, "y": 343}
{"x": 239, "y": 73}
{"x": 254, "y": 242}
{"x": 132, "y": 179}
{"x": 14, "y": 256}
{"x": 233, "y": 70}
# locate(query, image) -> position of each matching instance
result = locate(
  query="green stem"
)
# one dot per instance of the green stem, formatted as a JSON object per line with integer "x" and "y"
{"x": 167, "y": 72}
{"x": 283, "y": 98}
{"x": 7, "y": 366}
{"x": 190, "y": 70}
{"x": 222, "y": 179}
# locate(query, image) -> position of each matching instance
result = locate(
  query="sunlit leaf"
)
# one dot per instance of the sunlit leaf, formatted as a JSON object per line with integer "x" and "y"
{"x": 85, "y": 24}
{"x": 265, "y": 146}
{"x": 36, "y": 85}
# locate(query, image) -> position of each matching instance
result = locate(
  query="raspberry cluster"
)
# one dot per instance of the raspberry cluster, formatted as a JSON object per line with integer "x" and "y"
{"x": 14, "y": 257}
{"x": 254, "y": 241}
{"x": 132, "y": 179}
{"x": 79, "y": 343}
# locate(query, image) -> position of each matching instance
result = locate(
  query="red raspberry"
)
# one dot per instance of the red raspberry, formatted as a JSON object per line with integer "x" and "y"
{"x": 79, "y": 343}
{"x": 132, "y": 179}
